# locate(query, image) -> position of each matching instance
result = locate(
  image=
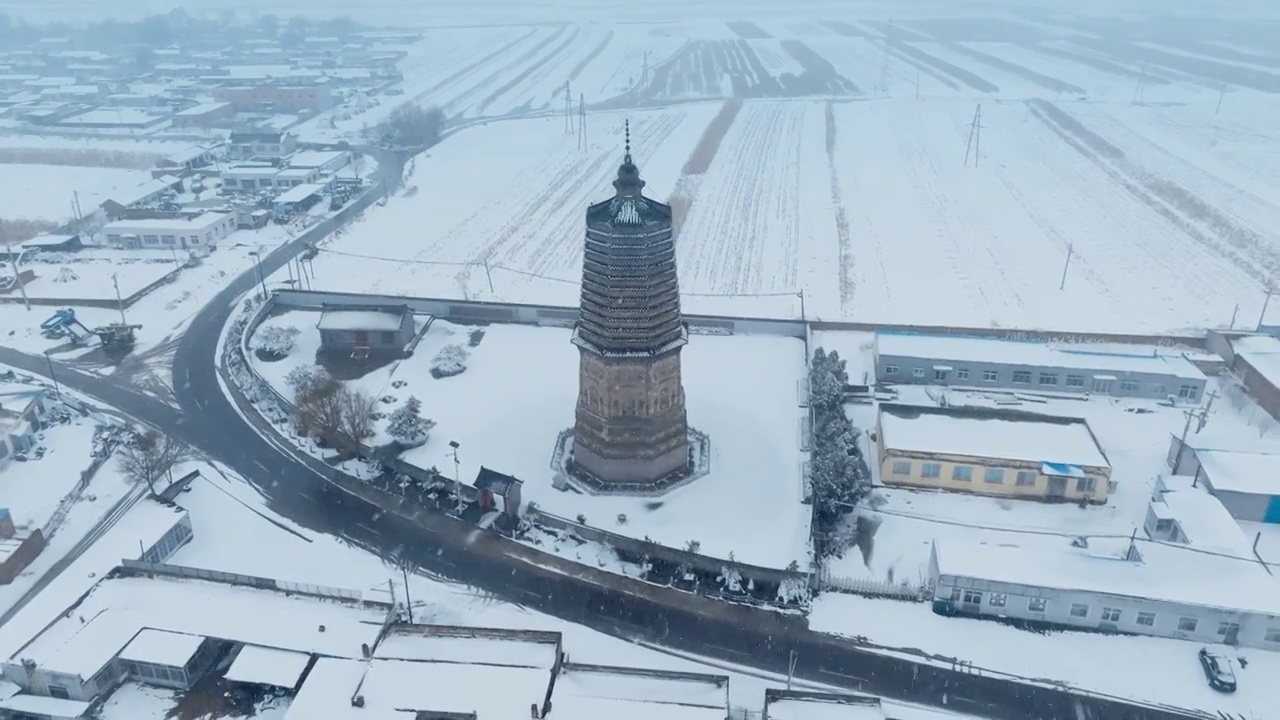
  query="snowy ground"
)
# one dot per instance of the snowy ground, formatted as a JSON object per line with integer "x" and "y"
{"x": 31, "y": 490}
{"x": 1154, "y": 670}
{"x": 46, "y": 192}
{"x": 1136, "y": 445}
{"x": 94, "y": 274}
{"x": 749, "y": 504}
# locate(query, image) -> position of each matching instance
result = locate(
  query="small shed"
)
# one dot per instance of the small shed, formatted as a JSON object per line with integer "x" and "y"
{"x": 363, "y": 330}
{"x": 164, "y": 658}
{"x": 54, "y": 243}
{"x": 296, "y": 200}
{"x": 259, "y": 665}
{"x": 490, "y": 483}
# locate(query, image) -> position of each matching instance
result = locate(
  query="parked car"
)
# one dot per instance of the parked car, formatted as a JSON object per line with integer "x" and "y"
{"x": 1217, "y": 669}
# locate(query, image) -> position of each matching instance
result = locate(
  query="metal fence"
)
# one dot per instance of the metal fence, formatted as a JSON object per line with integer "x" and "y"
{"x": 873, "y": 588}
{"x": 253, "y": 581}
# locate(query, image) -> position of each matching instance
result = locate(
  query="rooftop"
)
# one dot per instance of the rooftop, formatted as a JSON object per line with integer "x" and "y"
{"x": 1254, "y": 473}
{"x": 195, "y": 224}
{"x": 1263, "y": 353}
{"x": 1203, "y": 519}
{"x": 314, "y": 158}
{"x": 1031, "y": 353}
{"x": 471, "y": 646}
{"x": 1023, "y": 437}
{"x": 300, "y": 193}
{"x": 806, "y": 705}
{"x": 361, "y": 319}
{"x": 160, "y": 647}
{"x": 268, "y": 666}
{"x": 202, "y": 109}
{"x": 90, "y": 634}
{"x": 584, "y": 692}
{"x": 1160, "y": 574}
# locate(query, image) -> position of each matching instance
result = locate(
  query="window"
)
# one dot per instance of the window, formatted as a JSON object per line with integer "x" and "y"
{"x": 1075, "y": 381}
{"x": 1110, "y": 615}
{"x": 939, "y": 374}
{"x": 990, "y": 375}
{"x": 999, "y": 599}
{"x": 1228, "y": 628}
{"x": 930, "y": 470}
{"x": 1079, "y": 610}
{"x": 1022, "y": 376}
{"x": 59, "y": 691}
{"x": 1128, "y": 386}
{"x": 955, "y": 594}
{"x": 962, "y": 374}
{"x": 1086, "y": 484}
{"x": 1187, "y": 624}
{"x": 1101, "y": 385}
{"x": 1272, "y": 635}
{"x": 917, "y": 372}
{"x": 963, "y": 473}
{"x": 1048, "y": 378}
{"x": 994, "y": 476}
{"x": 167, "y": 239}
{"x": 1026, "y": 478}
{"x": 1188, "y": 392}
{"x": 890, "y": 369}
{"x": 901, "y": 467}
{"x": 973, "y": 597}
{"x": 1036, "y": 604}
{"x": 1146, "y": 619}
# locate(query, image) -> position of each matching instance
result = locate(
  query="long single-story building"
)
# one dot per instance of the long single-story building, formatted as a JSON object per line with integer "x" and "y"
{"x": 249, "y": 178}
{"x": 159, "y": 234}
{"x": 962, "y": 361}
{"x": 999, "y": 452}
{"x": 324, "y": 161}
{"x": 364, "y": 330}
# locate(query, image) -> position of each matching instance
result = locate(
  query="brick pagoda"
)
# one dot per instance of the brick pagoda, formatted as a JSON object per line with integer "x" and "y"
{"x": 630, "y": 432}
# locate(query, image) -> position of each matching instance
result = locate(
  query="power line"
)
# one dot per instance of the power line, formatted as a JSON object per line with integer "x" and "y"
{"x": 974, "y": 145}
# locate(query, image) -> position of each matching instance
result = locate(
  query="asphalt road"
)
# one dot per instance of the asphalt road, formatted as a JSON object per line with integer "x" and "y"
{"x": 620, "y": 607}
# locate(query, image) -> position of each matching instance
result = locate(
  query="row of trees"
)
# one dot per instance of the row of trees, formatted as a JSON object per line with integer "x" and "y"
{"x": 838, "y": 471}
{"x": 409, "y": 126}
{"x": 343, "y": 416}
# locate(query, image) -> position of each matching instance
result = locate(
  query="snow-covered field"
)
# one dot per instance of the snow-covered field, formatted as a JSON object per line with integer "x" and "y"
{"x": 749, "y": 505}
{"x": 31, "y": 490}
{"x": 46, "y": 192}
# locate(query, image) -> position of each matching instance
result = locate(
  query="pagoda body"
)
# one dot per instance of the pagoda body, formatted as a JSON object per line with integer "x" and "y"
{"x": 631, "y": 431}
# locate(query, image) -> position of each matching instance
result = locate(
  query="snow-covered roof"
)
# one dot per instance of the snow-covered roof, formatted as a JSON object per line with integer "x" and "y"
{"x": 471, "y": 646}
{"x": 300, "y": 193}
{"x": 296, "y": 172}
{"x": 1242, "y": 472}
{"x": 118, "y": 608}
{"x": 47, "y": 240}
{"x": 1086, "y": 358}
{"x": 360, "y": 320}
{"x": 143, "y": 191}
{"x": 161, "y": 647}
{"x": 824, "y": 706}
{"x": 197, "y": 224}
{"x": 46, "y": 706}
{"x": 314, "y": 158}
{"x": 1203, "y": 519}
{"x": 202, "y": 109}
{"x": 268, "y": 666}
{"x": 251, "y": 171}
{"x": 1161, "y": 573}
{"x": 586, "y": 692}
{"x": 927, "y": 430}
{"x": 1263, "y": 353}
{"x": 191, "y": 153}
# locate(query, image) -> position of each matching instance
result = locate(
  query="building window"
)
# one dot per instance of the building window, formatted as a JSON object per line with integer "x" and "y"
{"x": 917, "y": 372}
{"x": 1146, "y": 619}
{"x": 59, "y": 691}
{"x": 1128, "y": 386}
{"x": 939, "y": 374}
{"x": 901, "y": 467}
{"x": 1228, "y": 628}
{"x": 1101, "y": 385}
{"x": 963, "y": 473}
{"x": 1188, "y": 624}
{"x": 989, "y": 375}
{"x": 1025, "y": 478}
{"x": 1079, "y": 610}
{"x": 994, "y": 476}
{"x": 930, "y": 470}
{"x": 1048, "y": 379}
{"x": 973, "y": 597}
{"x": 1075, "y": 381}
{"x": 1036, "y": 604}
{"x": 1086, "y": 484}
{"x": 955, "y": 595}
{"x": 1110, "y": 615}
{"x": 962, "y": 374}
{"x": 1272, "y": 635}
{"x": 1022, "y": 376}
{"x": 1188, "y": 392}
{"x": 890, "y": 369}
{"x": 997, "y": 599}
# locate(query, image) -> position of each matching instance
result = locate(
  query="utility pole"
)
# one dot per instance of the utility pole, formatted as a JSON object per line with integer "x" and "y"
{"x": 883, "y": 85}
{"x": 1222, "y": 92}
{"x": 115, "y": 280}
{"x": 568, "y": 109}
{"x": 1206, "y": 411}
{"x": 17, "y": 277}
{"x": 1142, "y": 83}
{"x": 1182, "y": 441}
{"x": 974, "y": 145}
{"x": 791, "y": 668}
{"x": 1065, "y": 265}
{"x": 917, "y": 83}
{"x": 408, "y": 602}
{"x": 52, "y": 376}
{"x": 1261, "y": 316}
{"x": 582, "y": 121}
{"x": 644, "y": 72}
{"x": 457, "y": 476}
{"x": 488, "y": 275}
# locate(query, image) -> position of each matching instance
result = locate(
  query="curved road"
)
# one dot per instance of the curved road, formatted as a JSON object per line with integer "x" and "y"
{"x": 297, "y": 489}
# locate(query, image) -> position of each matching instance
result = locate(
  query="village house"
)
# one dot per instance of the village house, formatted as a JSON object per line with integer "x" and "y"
{"x": 365, "y": 331}
{"x": 268, "y": 144}
{"x": 998, "y": 452}
{"x": 203, "y": 231}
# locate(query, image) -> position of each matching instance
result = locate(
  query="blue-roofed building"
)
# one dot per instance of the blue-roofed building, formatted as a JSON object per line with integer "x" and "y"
{"x": 976, "y": 362}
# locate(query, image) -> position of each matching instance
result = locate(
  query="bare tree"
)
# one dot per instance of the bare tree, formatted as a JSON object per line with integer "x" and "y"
{"x": 149, "y": 456}
{"x": 412, "y": 125}
{"x": 356, "y": 419}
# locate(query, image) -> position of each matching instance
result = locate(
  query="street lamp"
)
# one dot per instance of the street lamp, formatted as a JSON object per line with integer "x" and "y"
{"x": 257, "y": 266}
{"x": 52, "y": 376}
{"x": 457, "y": 476}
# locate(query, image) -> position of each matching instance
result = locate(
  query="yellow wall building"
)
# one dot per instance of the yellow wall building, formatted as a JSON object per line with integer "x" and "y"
{"x": 1004, "y": 453}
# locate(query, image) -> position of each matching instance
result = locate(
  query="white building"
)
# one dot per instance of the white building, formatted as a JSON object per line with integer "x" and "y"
{"x": 22, "y": 412}
{"x": 326, "y": 162}
{"x": 203, "y": 231}
{"x": 250, "y": 178}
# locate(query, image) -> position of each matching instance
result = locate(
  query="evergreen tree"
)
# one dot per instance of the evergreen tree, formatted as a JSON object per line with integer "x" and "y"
{"x": 407, "y": 425}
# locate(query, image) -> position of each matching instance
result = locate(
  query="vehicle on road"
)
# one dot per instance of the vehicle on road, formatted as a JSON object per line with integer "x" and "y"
{"x": 1217, "y": 669}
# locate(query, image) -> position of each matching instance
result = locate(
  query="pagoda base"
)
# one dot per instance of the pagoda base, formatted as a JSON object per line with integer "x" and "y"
{"x": 570, "y": 475}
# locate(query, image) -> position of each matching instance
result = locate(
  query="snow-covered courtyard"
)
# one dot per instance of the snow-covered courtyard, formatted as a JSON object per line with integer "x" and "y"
{"x": 518, "y": 392}
{"x": 48, "y": 192}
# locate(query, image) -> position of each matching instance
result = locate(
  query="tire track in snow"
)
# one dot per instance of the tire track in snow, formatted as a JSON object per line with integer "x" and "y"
{"x": 531, "y": 69}
{"x": 847, "y": 286}
{"x": 472, "y": 67}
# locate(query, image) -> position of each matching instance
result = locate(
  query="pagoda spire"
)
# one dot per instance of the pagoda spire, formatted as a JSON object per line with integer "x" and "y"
{"x": 628, "y": 182}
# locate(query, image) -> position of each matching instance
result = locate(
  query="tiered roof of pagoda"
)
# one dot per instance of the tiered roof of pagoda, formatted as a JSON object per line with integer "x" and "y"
{"x": 630, "y": 291}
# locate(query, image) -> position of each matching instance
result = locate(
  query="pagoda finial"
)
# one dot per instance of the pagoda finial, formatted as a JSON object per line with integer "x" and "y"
{"x": 628, "y": 182}
{"x": 627, "y": 129}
